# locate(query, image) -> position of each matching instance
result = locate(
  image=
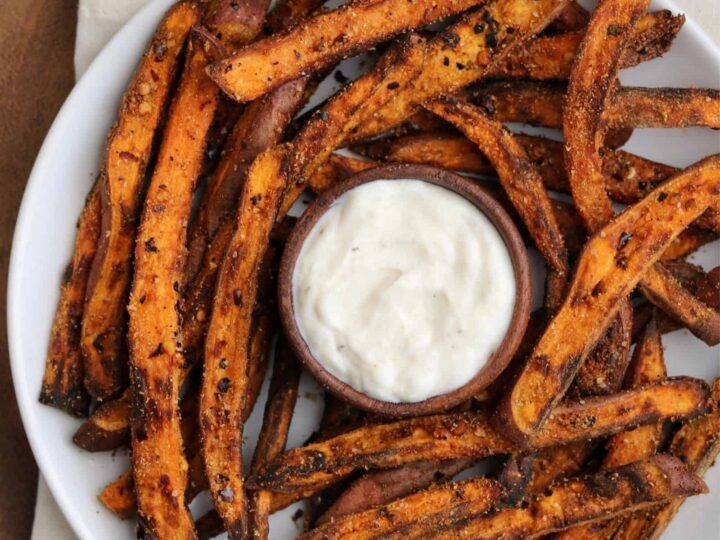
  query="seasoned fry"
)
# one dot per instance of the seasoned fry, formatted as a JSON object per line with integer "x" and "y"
{"x": 612, "y": 263}
{"x": 462, "y": 54}
{"x": 663, "y": 290}
{"x": 520, "y": 180}
{"x": 688, "y": 242}
{"x": 607, "y": 493}
{"x": 321, "y": 41}
{"x": 328, "y": 127}
{"x": 159, "y": 466}
{"x": 209, "y": 525}
{"x": 648, "y": 366}
{"x": 287, "y": 13}
{"x": 261, "y": 125}
{"x": 128, "y": 151}
{"x": 550, "y": 58}
{"x": 108, "y": 428}
{"x": 235, "y": 22}
{"x": 336, "y": 167}
{"x": 435, "y": 502}
{"x": 572, "y": 17}
{"x": 226, "y": 346}
{"x": 62, "y": 385}
{"x": 697, "y": 444}
{"x": 119, "y": 496}
{"x": 542, "y": 104}
{"x": 460, "y": 435}
{"x": 273, "y": 436}
{"x": 381, "y": 487}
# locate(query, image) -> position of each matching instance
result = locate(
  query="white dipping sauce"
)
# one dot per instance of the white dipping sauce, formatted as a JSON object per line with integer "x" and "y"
{"x": 403, "y": 290}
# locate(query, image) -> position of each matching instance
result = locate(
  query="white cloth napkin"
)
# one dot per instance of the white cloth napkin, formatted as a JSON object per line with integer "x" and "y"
{"x": 98, "y": 20}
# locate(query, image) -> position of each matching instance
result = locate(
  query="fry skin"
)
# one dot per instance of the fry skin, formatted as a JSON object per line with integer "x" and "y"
{"x": 62, "y": 385}
{"x": 460, "y": 435}
{"x": 156, "y": 358}
{"x": 586, "y": 499}
{"x": 608, "y": 270}
{"x": 128, "y": 151}
{"x": 109, "y": 426}
{"x": 225, "y": 379}
{"x": 322, "y": 40}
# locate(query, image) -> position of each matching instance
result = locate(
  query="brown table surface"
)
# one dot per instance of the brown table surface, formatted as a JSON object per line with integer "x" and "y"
{"x": 36, "y": 73}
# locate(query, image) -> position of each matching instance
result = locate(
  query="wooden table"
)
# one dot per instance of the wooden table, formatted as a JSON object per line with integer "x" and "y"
{"x": 36, "y": 74}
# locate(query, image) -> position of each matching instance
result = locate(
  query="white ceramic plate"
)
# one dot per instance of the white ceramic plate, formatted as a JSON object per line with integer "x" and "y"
{"x": 63, "y": 173}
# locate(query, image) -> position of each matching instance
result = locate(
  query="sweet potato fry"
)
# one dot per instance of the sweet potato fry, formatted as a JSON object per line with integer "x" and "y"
{"x": 156, "y": 359}
{"x": 128, "y": 151}
{"x": 62, "y": 385}
{"x": 321, "y": 41}
{"x": 273, "y": 435}
{"x": 336, "y": 167}
{"x": 662, "y": 289}
{"x": 549, "y": 58}
{"x": 108, "y": 428}
{"x": 520, "y": 180}
{"x": 697, "y": 444}
{"x": 209, "y": 525}
{"x": 327, "y": 128}
{"x": 541, "y": 104}
{"x": 480, "y": 493}
{"x": 688, "y": 242}
{"x": 607, "y": 493}
{"x": 648, "y": 366}
{"x": 461, "y": 435}
{"x": 572, "y": 17}
{"x": 612, "y": 263}
{"x": 377, "y": 488}
{"x": 462, "y": 54}
{"x": 235, "y": 22}
{"x": 119, "y": 496}
{"x": 287, "y": 13}
{"x": 225, "y": 378}
{"x": 261, "y": 125}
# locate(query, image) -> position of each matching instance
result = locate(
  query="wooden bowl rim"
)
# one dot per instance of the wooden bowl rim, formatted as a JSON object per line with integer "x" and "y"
{"x": 488, "y": 205}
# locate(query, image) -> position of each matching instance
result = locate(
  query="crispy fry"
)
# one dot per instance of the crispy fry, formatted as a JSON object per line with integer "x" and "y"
{"x": 327, "y": 128}
{"x": 108, "y": 428}
{"x": 541, "y": 104}
{"x": 648, "y": 366}
{"x": 261, "y": 125}
{"x": 663, "y": 290}
{"x": 336, "y": 167}
{"x": 697, "y": 444}
{"x": 462, "y": 54}
{"x": 612, "y": 263}
{"x": 550, "y": 57}
{"x": 128, "y": 151}
{"x": 321, "y": 41}
{"x": 607, "y": 493}
{"x": 273, "y": 435}
{"x": 226, "y": 346}
{"x": 209, "y": 525}
{"x": 62, "y": 385}
{"x": 520, "y": 180}
{"x": 119, "y": 496}
{"x": 156, "y": 360}
{"x": 435, "y": 502}
{"x": 460, "y": 435}
{"x": 688, "y": 242}
{"x": 235, "y": 22}
{"x": 628, "y": 177}
{"x": 377, "y": 488}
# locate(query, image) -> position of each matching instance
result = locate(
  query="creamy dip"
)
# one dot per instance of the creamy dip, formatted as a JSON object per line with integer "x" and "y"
{"x": 403, "y": 290}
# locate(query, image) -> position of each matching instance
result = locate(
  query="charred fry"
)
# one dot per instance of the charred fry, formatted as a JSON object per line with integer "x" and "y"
{"x": 62, "y": 385}
{"x": 127, "y": 154}
{"x": 271, "y": 442}
{"x": 470, "y": 435}
{"x": 612, "y": 263}
{"x": 108, "y": 428}
{"x": 322, "y": 40}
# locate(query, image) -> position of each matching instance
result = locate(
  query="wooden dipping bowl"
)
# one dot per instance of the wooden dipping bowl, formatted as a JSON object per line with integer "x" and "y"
{"x": 486, "y": 203}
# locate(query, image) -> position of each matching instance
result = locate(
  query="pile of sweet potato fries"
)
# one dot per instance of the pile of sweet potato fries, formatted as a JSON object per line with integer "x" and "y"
{"x": 166, "y": 316}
